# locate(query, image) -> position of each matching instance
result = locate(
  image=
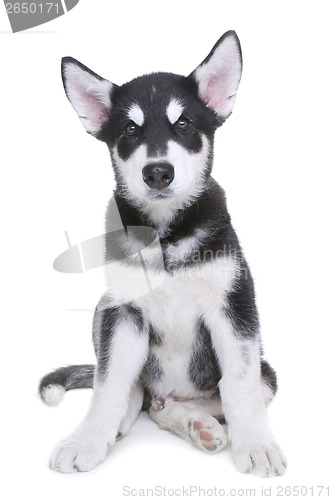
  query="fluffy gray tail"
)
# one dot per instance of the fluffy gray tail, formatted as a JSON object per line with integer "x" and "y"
{"x": 54, "y": 385}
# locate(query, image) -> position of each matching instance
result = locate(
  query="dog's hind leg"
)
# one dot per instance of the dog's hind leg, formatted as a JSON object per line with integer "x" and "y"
{"x": 194, "y": 421}
{"x": 197, "y": 421}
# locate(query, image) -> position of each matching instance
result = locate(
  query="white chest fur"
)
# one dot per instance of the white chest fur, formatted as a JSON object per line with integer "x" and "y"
{"x": 174, "y": 309}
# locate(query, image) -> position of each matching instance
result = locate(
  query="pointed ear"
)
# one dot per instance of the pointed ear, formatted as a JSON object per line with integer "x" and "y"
{"x": 89, "y": 94}
{"x": 219, "y": 74}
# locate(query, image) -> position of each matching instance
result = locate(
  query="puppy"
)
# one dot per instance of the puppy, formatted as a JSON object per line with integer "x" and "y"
{"x": 177, "y": 330}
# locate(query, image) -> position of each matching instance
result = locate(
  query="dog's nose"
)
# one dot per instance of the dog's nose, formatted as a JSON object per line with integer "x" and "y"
{"x": 158, "y": 175}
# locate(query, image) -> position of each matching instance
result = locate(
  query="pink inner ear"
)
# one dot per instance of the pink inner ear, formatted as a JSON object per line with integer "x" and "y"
{"x": 96, "y": 111}
{"x": 219, "y": 77}
{"x": 214, "y": 95}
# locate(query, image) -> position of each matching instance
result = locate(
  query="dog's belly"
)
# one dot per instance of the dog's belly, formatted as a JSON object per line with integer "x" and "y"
{"x": 170, "y": 358}
{"x": 175, "y": 311}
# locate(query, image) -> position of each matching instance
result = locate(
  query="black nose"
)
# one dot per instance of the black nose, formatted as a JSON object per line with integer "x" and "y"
{"x": 158, "y": 175}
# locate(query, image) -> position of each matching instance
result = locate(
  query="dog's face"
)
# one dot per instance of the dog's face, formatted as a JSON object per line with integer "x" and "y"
{"x": 159, "y": 127}
{"x": 160, "y": 140}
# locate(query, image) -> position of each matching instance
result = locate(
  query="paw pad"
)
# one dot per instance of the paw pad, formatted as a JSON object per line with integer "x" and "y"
{"x": 208, "y": 436}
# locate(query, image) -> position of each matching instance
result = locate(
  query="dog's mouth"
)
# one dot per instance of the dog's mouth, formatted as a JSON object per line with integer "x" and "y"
{"x": 156, "y": 194}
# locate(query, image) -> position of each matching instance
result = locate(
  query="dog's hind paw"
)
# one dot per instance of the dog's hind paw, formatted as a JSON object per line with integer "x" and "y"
{"x": 207, "y": 434}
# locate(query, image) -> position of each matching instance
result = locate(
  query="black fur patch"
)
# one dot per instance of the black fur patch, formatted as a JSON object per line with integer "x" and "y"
{"x": 146, "y": 400}
{"x": 269, "y": 376}
{"x": 135, "y": 314}
{"x": 155, "y": 337}
{"x": 241, "y": 307}
{"x": 204, "y": 369}
{"x": 151, "y": 372}
{"x": 109, "y": 321}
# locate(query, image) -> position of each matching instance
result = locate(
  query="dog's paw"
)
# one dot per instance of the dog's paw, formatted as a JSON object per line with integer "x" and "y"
{"x": 207, "y": 434}
{"x": 264, "y": 459}
{"x": 81, "y": 452}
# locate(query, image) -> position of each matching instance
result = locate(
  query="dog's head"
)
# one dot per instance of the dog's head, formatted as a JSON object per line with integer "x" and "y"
{"x": 159, "y": 127}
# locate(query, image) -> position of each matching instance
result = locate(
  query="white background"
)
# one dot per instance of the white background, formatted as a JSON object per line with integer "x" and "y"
{"x": 273, "y": 157}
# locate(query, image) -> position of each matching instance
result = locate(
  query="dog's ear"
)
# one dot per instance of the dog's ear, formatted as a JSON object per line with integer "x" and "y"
{"x": 219, "y": 74}
{"x": 89, "y": 94}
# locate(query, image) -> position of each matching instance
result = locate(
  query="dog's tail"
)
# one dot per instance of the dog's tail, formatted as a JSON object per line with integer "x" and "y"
{"x": 54, "y": 385}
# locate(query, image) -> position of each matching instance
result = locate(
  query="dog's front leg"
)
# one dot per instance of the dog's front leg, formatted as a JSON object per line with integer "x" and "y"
{"x": 253, "y": 444}
{"x": 121, "y": 353}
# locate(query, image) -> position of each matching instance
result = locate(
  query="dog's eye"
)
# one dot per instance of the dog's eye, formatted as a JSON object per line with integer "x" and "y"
{"x": 182, "y": 123}
{"x": 131, "y": 129}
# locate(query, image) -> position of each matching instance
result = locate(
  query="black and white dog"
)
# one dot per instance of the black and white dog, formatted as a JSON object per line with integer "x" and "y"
{"x": 188, "y": 346}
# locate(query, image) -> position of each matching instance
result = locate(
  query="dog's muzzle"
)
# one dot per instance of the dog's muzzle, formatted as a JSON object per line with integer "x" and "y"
{"x": 158, "y": 175}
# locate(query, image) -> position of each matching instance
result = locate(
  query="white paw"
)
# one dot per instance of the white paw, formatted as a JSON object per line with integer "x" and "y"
{"x": 81, "y": 452}
{"x": 264, "y": 459}
{"x": 207, "y": 434}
